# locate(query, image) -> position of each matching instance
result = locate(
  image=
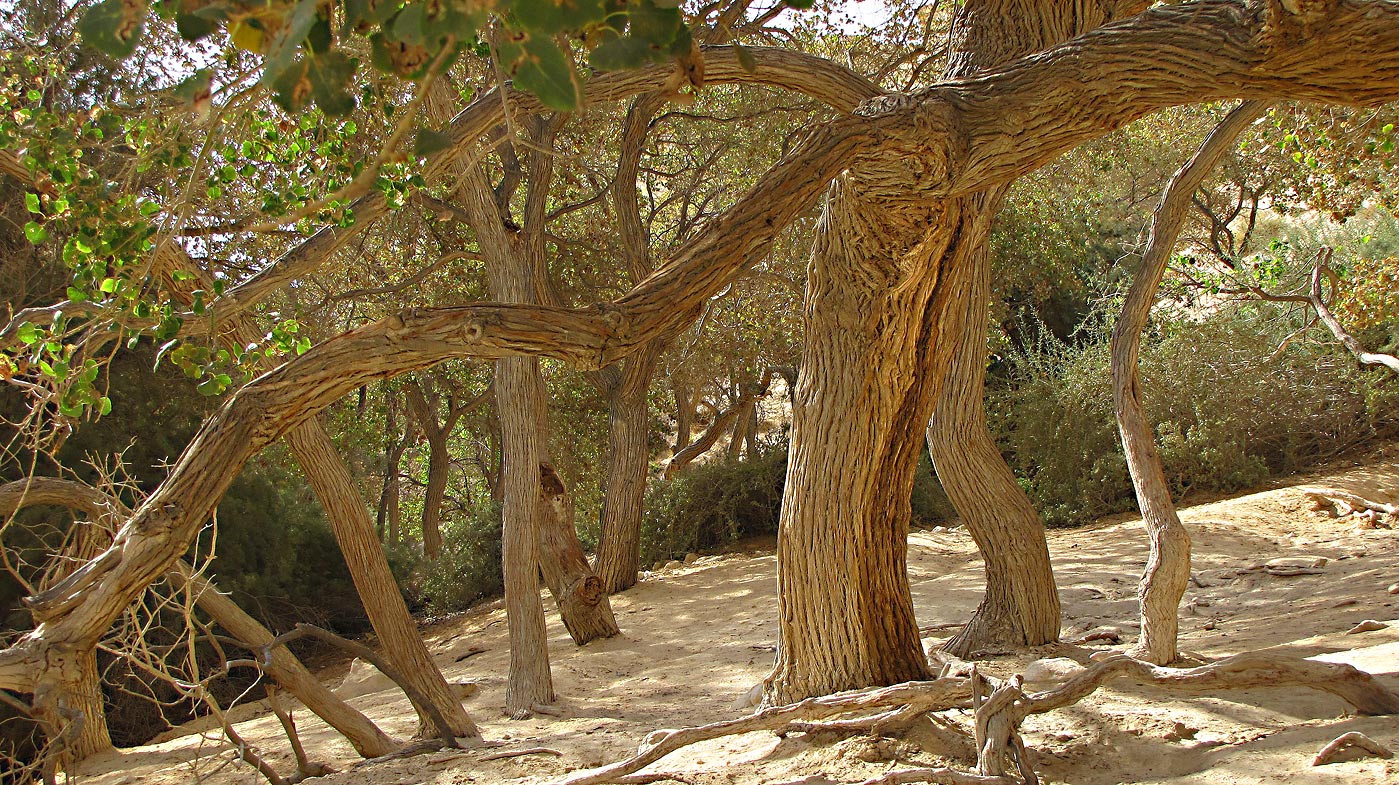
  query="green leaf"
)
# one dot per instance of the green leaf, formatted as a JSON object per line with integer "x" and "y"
{"x": 329, "y": 75}
{"x": 31, "y": 202}
{"x": 429, "y": 141}
{"x": 113, "y": 27}
{"x": 550, "y": 17}
{"x": 193, "y": 27}
{"x": 35, "y": 232}
{"x": 541, "y": 68}
{"x": 109, "y": 285}
{"x": 28, "y": 333}
{"x": 104, "y": 406}
{"x": 281, "y": 56}
{"x": 147, "y": 209}
{"x": 76, "y": 295}
{"x": 745, "y": 57}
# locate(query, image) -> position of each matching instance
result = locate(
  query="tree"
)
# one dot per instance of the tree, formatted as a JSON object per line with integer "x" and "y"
{"x": 884, "y": 298}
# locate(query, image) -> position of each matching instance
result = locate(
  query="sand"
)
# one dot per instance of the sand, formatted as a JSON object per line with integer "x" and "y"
{"x": 696, "y": 638}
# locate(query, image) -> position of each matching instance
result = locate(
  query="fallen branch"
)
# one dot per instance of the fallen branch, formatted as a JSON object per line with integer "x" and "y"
{"x": 1338, "y": 503}
{"x": 924, "y": 696}
{"x": 521, "y": 753}
{"x": 1344, "y": 745}
{"x": 940, "y": 776}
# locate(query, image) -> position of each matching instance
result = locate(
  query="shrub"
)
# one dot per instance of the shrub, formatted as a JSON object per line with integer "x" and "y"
{"x": 1230, "y": 411}
{"x": 469, "y": 567}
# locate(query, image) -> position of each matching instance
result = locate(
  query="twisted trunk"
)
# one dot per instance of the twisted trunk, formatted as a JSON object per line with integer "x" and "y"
{"x": 1021, "y": 604}
{"x": 1168, "y": 563}
{"x": 580, "y": 594}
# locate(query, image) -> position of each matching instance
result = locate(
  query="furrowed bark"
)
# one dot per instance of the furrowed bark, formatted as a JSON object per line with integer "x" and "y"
{"x": 1168, "y": 563}
{"x": 619, "y": 546}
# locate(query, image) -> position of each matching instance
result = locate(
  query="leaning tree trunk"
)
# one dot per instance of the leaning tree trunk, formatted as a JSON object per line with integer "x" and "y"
{"x": 1168, "y": 564}
{"x": 369, "y": 569}
{"x": 580, "y": 593}
{"x": 1021, "y": 604}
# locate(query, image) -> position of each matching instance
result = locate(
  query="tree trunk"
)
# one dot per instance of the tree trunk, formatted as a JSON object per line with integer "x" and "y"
{"x": 619, "y": 546}
{"x": 580, "y": 594}
{"x": 1021, "y": 604}
{"x": 386, "y": 523}
{"x": 378, "y": 590}
{"x": 438, "y": 469}
{"x": 68, "y": 704}
{"x": 684, "y": 414}
{"x": 1168, "y": 564}
{"x": 742, "y": 426}
{"x": 520, "y": 400}
{"x": 886, "y": 293}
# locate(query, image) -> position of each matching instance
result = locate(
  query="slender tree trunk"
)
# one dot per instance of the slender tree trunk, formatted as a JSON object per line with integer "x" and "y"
{"x": 619, "y": 546}
{"x": 684, "y": 413}
{"x": 383, "y": 603}
{"x": 438, "y": 469}
{"x": 1168, "y": 564}
{"x": 579, "y": 593}
{"x": 1021, "y": 604}
{"x": 741, "y": 428}
{"x": 387, "y": 520}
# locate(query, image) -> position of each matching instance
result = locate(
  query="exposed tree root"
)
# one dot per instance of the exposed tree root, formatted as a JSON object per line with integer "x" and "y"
{"x": 1344, "y": 746}
{"x": 1000, "y": 713}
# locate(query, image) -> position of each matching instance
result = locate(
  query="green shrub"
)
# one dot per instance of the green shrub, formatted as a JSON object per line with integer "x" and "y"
{"x": 469, "y": 567}
{"x": 1230, "y": 411}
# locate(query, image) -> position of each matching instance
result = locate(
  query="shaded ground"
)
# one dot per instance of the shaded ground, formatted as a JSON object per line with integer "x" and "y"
{"x": 698, "y": 637}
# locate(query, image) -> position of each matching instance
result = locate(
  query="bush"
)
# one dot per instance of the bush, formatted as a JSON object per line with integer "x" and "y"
{"x": 469, "y": 567}
{"x": 1229, "y": 413}
{"x": 722, "y": 501}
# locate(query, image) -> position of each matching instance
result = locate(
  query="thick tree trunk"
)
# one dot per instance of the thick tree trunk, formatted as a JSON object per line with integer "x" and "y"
{"x": 520, "y": 400}
{"x": 885, "y": 303}
{"x": 1021, "y": 605}
{"x": 579, "y": 593}
{"x": 378, "y": 591}
{"x": 68, "y": 704}
{"x": 619, "y": 546}
{"x": 1168, "y": 564}
{"x": 875, "y": 305}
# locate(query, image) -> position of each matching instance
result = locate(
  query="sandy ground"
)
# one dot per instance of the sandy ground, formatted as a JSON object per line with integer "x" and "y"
{"x": 697, "y": 637}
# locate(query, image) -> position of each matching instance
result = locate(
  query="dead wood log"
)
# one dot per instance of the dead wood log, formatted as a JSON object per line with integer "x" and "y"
{"x": 1346, "y": 745}
{"x": 1338, "y": 503}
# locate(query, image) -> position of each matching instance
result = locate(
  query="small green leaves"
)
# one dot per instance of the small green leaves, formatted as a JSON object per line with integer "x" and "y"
{"x": 31, "y": 202}
{"x": 28, "y": 334}
{"x": 114, "y": 26}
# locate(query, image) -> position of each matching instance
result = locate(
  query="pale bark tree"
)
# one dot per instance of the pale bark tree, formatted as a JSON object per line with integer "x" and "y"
{"x": 1168, "y": 561}
{"x": 879, "y": 306}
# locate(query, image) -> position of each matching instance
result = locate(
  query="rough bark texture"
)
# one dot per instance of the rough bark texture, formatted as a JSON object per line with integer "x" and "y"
{"x": 1168, "y": 563}
{"x": 619, "y": 546}
{"x": 1021, "y": 604}
{"x": 951, "y": 139}
{"x": 626, "y": 384}
{"x": 581, "y": 595}
{"x": 378, "y": 591}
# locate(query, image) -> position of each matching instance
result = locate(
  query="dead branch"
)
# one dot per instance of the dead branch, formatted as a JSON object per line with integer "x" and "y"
{"x": 521, "y": 753}
{"x": 1343, "y": 746}
{"x": 439, "y": 722}
{"x": 925, "y": 696}
{"x": 1338, "y": 503}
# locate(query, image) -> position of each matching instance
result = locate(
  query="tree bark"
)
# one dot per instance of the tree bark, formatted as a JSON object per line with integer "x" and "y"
{"x": 378, "y": 591}
{"x": 684, "y": 413}
{"x": 438, "y": 468}
{"x": 619, "y": 546}
{"x": 1021, "y": 604}
{"x": 1168, "y": 563}
{"x": 580, "y": 594}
